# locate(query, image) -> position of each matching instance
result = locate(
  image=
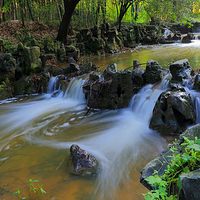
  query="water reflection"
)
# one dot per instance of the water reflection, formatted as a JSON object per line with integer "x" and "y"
{"x": 164, "y": 54}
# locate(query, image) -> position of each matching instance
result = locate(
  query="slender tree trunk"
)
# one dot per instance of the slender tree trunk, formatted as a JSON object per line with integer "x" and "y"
{"x": 70, "y": 6}
{"x": 123, "y": 10}
{"x": 103, "y": 8}
{"x": 3, "y": 15}
{"x": 22, "y": 13}
{"x": 30, "y": 11}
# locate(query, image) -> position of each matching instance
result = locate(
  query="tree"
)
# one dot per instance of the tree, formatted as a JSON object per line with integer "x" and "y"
{"x": 69, "y": 6}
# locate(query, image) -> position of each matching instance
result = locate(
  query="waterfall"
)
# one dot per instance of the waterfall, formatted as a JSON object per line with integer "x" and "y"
{"x": 52, "y": 85}
{"x": 75, "y": 90}
{"x": 119, "y": 147}
{"x": 21, "y": 117}
{"x": 195, "y": 96}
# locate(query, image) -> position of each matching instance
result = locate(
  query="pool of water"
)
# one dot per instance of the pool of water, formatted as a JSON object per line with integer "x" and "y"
{"x": 163, "y": 54}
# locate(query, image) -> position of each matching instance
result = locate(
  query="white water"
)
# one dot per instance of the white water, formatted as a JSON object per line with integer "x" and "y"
{"x": 119, "y": 147}
{"x": 195, "y": 96}
{"x": 20, "y": 118}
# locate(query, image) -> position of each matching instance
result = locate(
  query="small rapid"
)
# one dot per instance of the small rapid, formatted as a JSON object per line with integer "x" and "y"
{"x": 122, "y": 144}
{"x": 21, "y": 117}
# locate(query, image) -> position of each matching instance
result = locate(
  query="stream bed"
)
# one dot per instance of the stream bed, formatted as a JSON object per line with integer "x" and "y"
{"x": 36, "y": 133}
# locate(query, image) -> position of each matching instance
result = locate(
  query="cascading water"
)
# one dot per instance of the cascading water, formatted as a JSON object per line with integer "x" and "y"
{"x": 30, "y": 112}
{"x": 119, "y": 147}
{"x": 195, "y": 96}
{"x": 52, "y": 85}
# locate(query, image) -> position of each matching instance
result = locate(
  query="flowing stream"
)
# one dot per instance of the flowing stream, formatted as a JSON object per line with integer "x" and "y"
{"x": 36, "y": 134}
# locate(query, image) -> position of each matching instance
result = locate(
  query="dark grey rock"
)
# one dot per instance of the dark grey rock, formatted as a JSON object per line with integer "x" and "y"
{"x": 180, "y": 70}
{"x": 83, "y": 162}
{"x": 160, "y": 163}
{"x": 172, "y": 113}
{"x": 197, "y": 83}
{"x": 190, "y": 184}
{"x": 153, "y": 72}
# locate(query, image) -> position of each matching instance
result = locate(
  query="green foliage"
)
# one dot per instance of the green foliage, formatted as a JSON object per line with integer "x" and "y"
{"x": 34, "y": 187}
{"x": 186, "y": 161}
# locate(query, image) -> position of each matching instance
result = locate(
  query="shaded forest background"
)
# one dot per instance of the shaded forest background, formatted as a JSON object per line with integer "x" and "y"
{"x": 71, "y": 15}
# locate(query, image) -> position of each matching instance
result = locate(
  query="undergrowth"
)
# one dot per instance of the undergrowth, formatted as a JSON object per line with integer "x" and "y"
{"x": 168, "y": 186}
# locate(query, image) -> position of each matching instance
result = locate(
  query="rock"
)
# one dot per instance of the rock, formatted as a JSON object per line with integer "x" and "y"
{"x": 94, "y": 45}
{"x": 197, "y": 83}
{"x": 153, "y": 72}
{"x": 96, "y": 31}
{"x": 70, "y": 48}
{"x": 112, "y": 91}
{"x": 7, "y": 67}
{"x": 160, "y": 163}
{"x": 50, "y": 46}
{"x": 61, "y": 53}
{"x": 86, "y": 34}
{"x": 72, "y": 52}
{"x": 83, "y": 162}
{"x": 190, "y": 185}
{"x": 137, "y": 76}
{"x": 180, "y": 70}
{"x": 93, "y": 77}
{"x": 172, "y": 113}
{"x": 72, "y": 68}
{"x": 110, "y": 70}
{"x": 5, "y": 91}
{"x": 33, "y": 62}
{"x": 187, "y": 38}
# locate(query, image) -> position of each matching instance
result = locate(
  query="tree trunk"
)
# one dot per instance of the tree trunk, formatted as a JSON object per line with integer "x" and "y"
{"x": 3, "y": 15}
{"x": 30, "y": 11}
{"x": 123, "y": 10}
{"x": 70, "y": 6}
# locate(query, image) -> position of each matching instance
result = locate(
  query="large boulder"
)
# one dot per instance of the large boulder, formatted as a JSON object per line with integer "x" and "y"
{"x": 180, "y": 70}
{"x": 153, "y": 72}
{"x": 113, "y": 90}
{"x": 159, "y": 164}
{"x": 7, "y": 67}
{"x": 83, "y": 162}
{"x": 172, "y": 113}
{"x": 33, "y": 62}
{"x": 190, "y": 183}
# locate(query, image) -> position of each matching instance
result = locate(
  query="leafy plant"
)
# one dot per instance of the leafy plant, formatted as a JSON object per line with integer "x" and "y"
{"x": 34, "y": 187}
{"x": 168, "y": 185}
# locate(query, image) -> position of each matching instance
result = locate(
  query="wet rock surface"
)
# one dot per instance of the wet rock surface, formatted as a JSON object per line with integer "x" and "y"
{"x": 160, "y": 164}
{"x": 153, "y": 72}
{"x": 83, "y": 162}
{"x": 113, "y": 90}
{"x": 190, "y": 185}
{"x": 173, "y": 112}
{"x": 180, "y": 70}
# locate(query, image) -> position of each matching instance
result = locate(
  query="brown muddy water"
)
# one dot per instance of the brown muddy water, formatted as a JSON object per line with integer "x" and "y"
{"x": 36, "y": 134}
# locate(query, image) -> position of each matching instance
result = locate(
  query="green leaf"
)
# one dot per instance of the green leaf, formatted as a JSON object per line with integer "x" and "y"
{"x": 179, "y": 184}
{"x": 17, "y": 192}
{"x": 196, "y": 147}
{"x": 42, "y": 191}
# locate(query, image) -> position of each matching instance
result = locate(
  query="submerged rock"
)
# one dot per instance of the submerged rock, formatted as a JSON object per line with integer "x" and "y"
{"x": 173, "y": 112}
{"x": 83, "y": 162}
